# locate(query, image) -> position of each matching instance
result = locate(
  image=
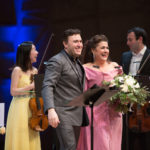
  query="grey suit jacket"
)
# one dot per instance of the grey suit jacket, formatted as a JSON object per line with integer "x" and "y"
{"x": 61, "y": 84}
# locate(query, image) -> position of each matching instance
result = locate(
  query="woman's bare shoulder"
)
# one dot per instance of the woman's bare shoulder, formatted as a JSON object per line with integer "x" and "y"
{"x": 17, "y": 71}
{"x": 114, "y": 64}
{"x": 89, "y": 65}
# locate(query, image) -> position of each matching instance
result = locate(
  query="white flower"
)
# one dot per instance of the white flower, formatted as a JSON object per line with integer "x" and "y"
{"x": 113, "y": 83}
{"x": 137, "y": 85}
{"x": 130, "y": 92}
{"x": 130, "y": 81}
{"x": 121, "y": 79}
{"x": 124, "y": 88}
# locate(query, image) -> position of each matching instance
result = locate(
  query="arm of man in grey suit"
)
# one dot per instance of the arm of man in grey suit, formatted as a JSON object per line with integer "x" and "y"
{"x": 52, "y": 75}
{"x": 53, "y": 118}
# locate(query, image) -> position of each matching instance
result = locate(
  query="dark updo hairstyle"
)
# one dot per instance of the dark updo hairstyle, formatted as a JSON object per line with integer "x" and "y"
{"x": 23, "y": 56}
{"x": 92, "y": 44}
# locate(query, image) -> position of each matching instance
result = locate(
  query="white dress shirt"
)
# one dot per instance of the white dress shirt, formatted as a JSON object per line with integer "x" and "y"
{"x": 135, "y": 61}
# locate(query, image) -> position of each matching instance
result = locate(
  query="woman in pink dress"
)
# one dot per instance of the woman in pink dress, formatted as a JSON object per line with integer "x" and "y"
{"x": 107, "y": 123}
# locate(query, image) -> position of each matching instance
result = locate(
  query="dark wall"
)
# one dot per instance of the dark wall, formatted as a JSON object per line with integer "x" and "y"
{"x": 112, "y": 18}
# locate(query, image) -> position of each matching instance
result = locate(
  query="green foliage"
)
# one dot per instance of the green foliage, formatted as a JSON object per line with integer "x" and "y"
{"x": 130, "y": 92}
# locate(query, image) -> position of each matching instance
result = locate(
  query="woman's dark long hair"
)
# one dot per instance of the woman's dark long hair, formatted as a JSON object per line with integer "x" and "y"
{"x": 23, "y": 56}
{"x": 91, "y": 44}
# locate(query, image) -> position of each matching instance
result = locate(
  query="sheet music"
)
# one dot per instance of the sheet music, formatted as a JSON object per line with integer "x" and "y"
{"x": 2, "y": 110}
{"x": 106, "y": 96}
{"x": 79, "y": 101}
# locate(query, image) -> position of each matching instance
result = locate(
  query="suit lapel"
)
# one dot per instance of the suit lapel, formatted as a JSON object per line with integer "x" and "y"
{"x": 144, "y": 61}
{"x": 73, "y": 68}
{"x": 144, "y": 58}
{"x": 128, "y": 61}
{"x": 83, "y": 81}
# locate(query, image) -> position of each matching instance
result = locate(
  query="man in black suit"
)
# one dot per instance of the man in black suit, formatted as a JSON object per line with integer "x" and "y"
{"x": 64, "y": 80}
{"x": 137, "y": 62}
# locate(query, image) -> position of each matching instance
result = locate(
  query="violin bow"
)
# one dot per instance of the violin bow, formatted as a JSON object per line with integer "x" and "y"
{"x": 139, "y": 71}
{"x": 45, "y": 51}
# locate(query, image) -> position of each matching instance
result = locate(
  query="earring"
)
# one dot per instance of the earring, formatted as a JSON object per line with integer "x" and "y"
{"x": 93, "y": 56}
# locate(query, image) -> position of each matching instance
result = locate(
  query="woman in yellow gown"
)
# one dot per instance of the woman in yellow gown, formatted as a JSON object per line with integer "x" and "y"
{"x": 19, "y": 136}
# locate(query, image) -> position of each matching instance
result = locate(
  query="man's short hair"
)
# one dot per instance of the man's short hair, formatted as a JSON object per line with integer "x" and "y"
{"x": 70, "y": 32}
{"x": 139, "y": 32}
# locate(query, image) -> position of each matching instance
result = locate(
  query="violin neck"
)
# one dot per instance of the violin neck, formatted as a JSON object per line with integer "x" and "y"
{"x": 38, "y": 103}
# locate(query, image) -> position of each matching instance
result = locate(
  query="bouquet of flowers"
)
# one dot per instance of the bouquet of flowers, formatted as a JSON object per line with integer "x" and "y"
{"x": 130, "y": 92}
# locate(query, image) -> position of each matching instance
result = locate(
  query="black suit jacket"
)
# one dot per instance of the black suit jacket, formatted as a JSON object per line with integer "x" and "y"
{"x": 126, "y": 60}
{"x": 130, "y": 139}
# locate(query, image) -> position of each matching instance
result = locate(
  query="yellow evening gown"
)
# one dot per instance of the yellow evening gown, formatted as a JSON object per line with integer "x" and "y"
{"x": 19, "y": 136}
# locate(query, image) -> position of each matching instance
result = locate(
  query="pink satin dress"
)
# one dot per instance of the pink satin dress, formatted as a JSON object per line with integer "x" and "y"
{"x": 107, "y": 122}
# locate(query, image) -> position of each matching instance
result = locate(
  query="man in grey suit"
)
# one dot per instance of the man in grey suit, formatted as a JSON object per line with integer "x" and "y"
{"x": 63, "y": 81}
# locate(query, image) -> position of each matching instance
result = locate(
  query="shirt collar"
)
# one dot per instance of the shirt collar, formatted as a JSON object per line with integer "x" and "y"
{"x": 70, "y": 57}
{"x": 141, "y": 52}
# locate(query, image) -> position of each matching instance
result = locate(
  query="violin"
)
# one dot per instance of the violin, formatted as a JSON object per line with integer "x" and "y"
{"x": 139, "y": 120}
{"x": 38, "y": 121}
